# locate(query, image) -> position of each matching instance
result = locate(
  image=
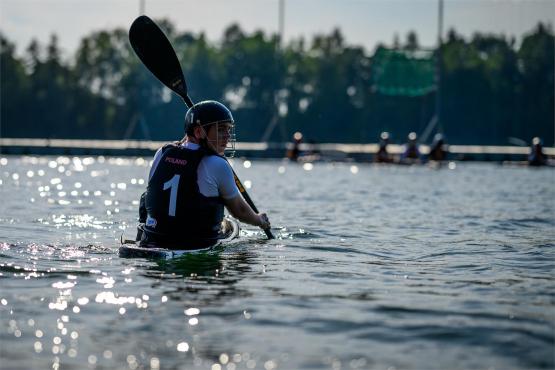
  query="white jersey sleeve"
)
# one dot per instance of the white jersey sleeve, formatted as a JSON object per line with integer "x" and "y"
{"x": 155, "y": 162}
{"x": 215, "y": 178}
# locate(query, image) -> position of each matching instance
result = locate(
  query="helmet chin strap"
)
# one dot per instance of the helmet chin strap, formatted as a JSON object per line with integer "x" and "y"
{"x": 204, "y": 142}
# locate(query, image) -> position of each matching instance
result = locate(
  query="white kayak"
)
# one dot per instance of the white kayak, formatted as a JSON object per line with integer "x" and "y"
{"x": 131, "y": 248}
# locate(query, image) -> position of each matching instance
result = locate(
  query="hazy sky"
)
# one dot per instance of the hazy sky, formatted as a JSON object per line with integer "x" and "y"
{"x": 363, "y": 22}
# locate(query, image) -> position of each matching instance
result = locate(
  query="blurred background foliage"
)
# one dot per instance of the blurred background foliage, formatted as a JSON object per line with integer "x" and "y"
{"x": 492, "y": 88}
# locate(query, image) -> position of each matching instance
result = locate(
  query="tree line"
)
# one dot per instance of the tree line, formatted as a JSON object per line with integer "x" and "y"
{"x": 492, "y": 88}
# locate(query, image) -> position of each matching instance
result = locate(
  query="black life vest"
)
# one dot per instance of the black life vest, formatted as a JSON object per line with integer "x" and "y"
{"x": 178, "y": 215}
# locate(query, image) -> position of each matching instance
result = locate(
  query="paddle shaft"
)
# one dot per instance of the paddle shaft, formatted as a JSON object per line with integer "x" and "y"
{"x": 249, "y": 201}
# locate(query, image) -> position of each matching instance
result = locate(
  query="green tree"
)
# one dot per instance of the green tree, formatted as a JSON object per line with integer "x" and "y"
{"x": 14, "y": 90}
{"x": 322, "y": 87}
{"x": 536, "y": 63}
{"x": 253, "y": 75}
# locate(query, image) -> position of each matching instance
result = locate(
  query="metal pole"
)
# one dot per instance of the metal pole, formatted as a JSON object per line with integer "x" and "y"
{"x": 141, "y": 7}
{"x": 281, "y": 45}
{"x": 281, "y": 21}
{"x": 439, "y": 65}
{"x": 275, "y": 119}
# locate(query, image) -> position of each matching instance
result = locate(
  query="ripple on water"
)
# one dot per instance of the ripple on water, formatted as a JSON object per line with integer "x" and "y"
{"x": 381, "y": 275}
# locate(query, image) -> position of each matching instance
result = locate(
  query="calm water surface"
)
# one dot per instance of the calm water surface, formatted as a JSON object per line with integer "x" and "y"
{"x": 374, "y": 268}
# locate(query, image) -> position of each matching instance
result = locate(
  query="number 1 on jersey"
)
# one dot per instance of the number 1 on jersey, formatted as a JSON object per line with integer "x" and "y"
{"x": 172, "y": 184}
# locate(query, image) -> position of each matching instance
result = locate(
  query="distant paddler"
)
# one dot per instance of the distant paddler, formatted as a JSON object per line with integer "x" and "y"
{"x": 537, "y": 156}
{"x": 191, "y": 182}
{"x": 438, "y": 151}
{"x": 411, "y": 153}
{"x": 382, "y": 155}
{"x": 294, "y": 152}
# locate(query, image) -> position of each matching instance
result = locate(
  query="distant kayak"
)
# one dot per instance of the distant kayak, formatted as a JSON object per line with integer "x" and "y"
{"x": 131, "y": 248}
{"x": 548, "y": 163}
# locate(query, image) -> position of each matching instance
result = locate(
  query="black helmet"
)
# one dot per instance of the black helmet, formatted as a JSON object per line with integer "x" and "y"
{"x": 205, "y": 113}
{"x": 537, "y": 141}
{"x": 438, "y": 138}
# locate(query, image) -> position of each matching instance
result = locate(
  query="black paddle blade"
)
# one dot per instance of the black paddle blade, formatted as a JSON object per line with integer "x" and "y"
{"x": 157, "y": 54}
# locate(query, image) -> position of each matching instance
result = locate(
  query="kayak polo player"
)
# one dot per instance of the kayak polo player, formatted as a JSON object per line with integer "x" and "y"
{"x": 190, "y": 183}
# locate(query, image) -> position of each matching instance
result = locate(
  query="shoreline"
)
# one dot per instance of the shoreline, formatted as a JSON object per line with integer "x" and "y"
{"x": 327, "y": 151}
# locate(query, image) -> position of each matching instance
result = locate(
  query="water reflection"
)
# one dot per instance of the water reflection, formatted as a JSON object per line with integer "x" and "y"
{"x": 206, "y": 278}
{"x": 189, "y": 265}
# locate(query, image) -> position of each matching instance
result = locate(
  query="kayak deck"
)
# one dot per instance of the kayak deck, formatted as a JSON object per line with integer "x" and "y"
{"x": 131, "y": 249}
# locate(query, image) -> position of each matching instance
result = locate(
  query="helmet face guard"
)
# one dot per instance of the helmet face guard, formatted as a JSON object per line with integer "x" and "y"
{"x": 224, "y": 132}
{"x": 212, "y": 113}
